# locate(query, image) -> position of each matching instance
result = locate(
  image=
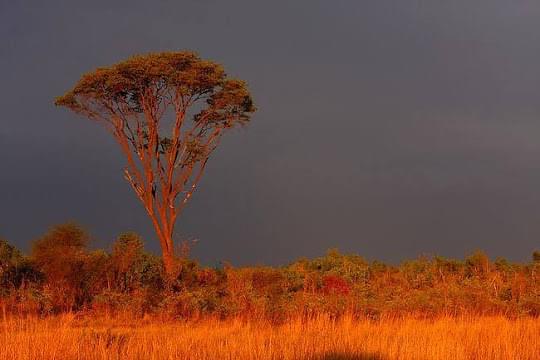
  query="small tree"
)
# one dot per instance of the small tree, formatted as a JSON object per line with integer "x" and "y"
{"x": 10, "y": 259}
{"x": 61, "y": 254}
{"x": 127, "y": 257}
{"x": 167, "y": 111}
{"x": 477, "y": 263}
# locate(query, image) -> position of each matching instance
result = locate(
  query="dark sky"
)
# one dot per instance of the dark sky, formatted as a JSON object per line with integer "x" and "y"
{"x": 385, "y": 128}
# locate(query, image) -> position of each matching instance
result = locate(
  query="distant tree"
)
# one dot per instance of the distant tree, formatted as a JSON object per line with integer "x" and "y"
{"x": 16, "y": 270}
{"x": 8, "y": 254}
{"x": 96, "y": 272}
{"x": 10, "y": 259}
{"x": 477, "y": 263}
{"x": 536, "y": 266}
{"x": 127, "y": 260}
{"x": 137, "y": 99}
{"x": 62, "y": 257}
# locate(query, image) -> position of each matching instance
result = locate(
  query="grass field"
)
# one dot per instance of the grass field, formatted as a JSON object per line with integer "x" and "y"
{"x": 320, "y": 339}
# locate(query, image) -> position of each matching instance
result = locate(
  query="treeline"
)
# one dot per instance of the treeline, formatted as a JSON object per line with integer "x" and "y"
{"x": 62, "y": 274}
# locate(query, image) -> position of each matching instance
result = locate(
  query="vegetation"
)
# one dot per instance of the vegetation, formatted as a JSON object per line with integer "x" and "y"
{"x": 168, "y": 112}
{"x": 321, "y": 338}
{"x": 67, "y": 301}
{"x": 63, "y": 275}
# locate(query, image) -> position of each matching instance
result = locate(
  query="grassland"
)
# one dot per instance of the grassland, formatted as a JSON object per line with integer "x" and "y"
{"x": 67, "y": 337}
{"x": 71, "y": 302}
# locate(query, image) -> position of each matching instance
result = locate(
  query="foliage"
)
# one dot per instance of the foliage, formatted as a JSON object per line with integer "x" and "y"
{"x": 63, "y": 274}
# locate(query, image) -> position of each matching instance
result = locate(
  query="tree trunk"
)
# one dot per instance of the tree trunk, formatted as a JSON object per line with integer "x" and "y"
{"x": 167, "y": 251}
{"x": 166, "y": 242}
{"x": 168, "y": 262}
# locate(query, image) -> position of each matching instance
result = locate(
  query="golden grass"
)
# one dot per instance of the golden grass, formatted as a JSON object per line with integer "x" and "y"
{"x": 319, "y": 339}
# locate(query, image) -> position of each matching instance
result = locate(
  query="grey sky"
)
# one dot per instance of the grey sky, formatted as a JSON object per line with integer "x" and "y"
{"x": 386, "y": 128}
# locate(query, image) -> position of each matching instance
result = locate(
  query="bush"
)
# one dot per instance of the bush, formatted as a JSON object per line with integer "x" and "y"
{"x": 62, "y": 274}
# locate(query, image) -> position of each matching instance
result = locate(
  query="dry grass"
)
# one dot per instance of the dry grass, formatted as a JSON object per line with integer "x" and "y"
{"x": 320, "y": 339}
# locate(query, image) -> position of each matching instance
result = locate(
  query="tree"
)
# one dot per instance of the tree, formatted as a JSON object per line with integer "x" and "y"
{"x": 10, "y": 258}
{"x": 61, "y": 254}
{"x": 127, "y": 260}
{"x": 9, "y": 254}
{"x": 167, "y": 111}
{"x": 477, "y": 263}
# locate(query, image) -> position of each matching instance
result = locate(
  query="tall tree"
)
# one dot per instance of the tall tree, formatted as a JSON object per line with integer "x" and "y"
{"x": 167, "y": 111}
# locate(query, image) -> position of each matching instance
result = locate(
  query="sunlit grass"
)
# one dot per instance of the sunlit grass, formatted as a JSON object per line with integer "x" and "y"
{"x": 321, "y": 338}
